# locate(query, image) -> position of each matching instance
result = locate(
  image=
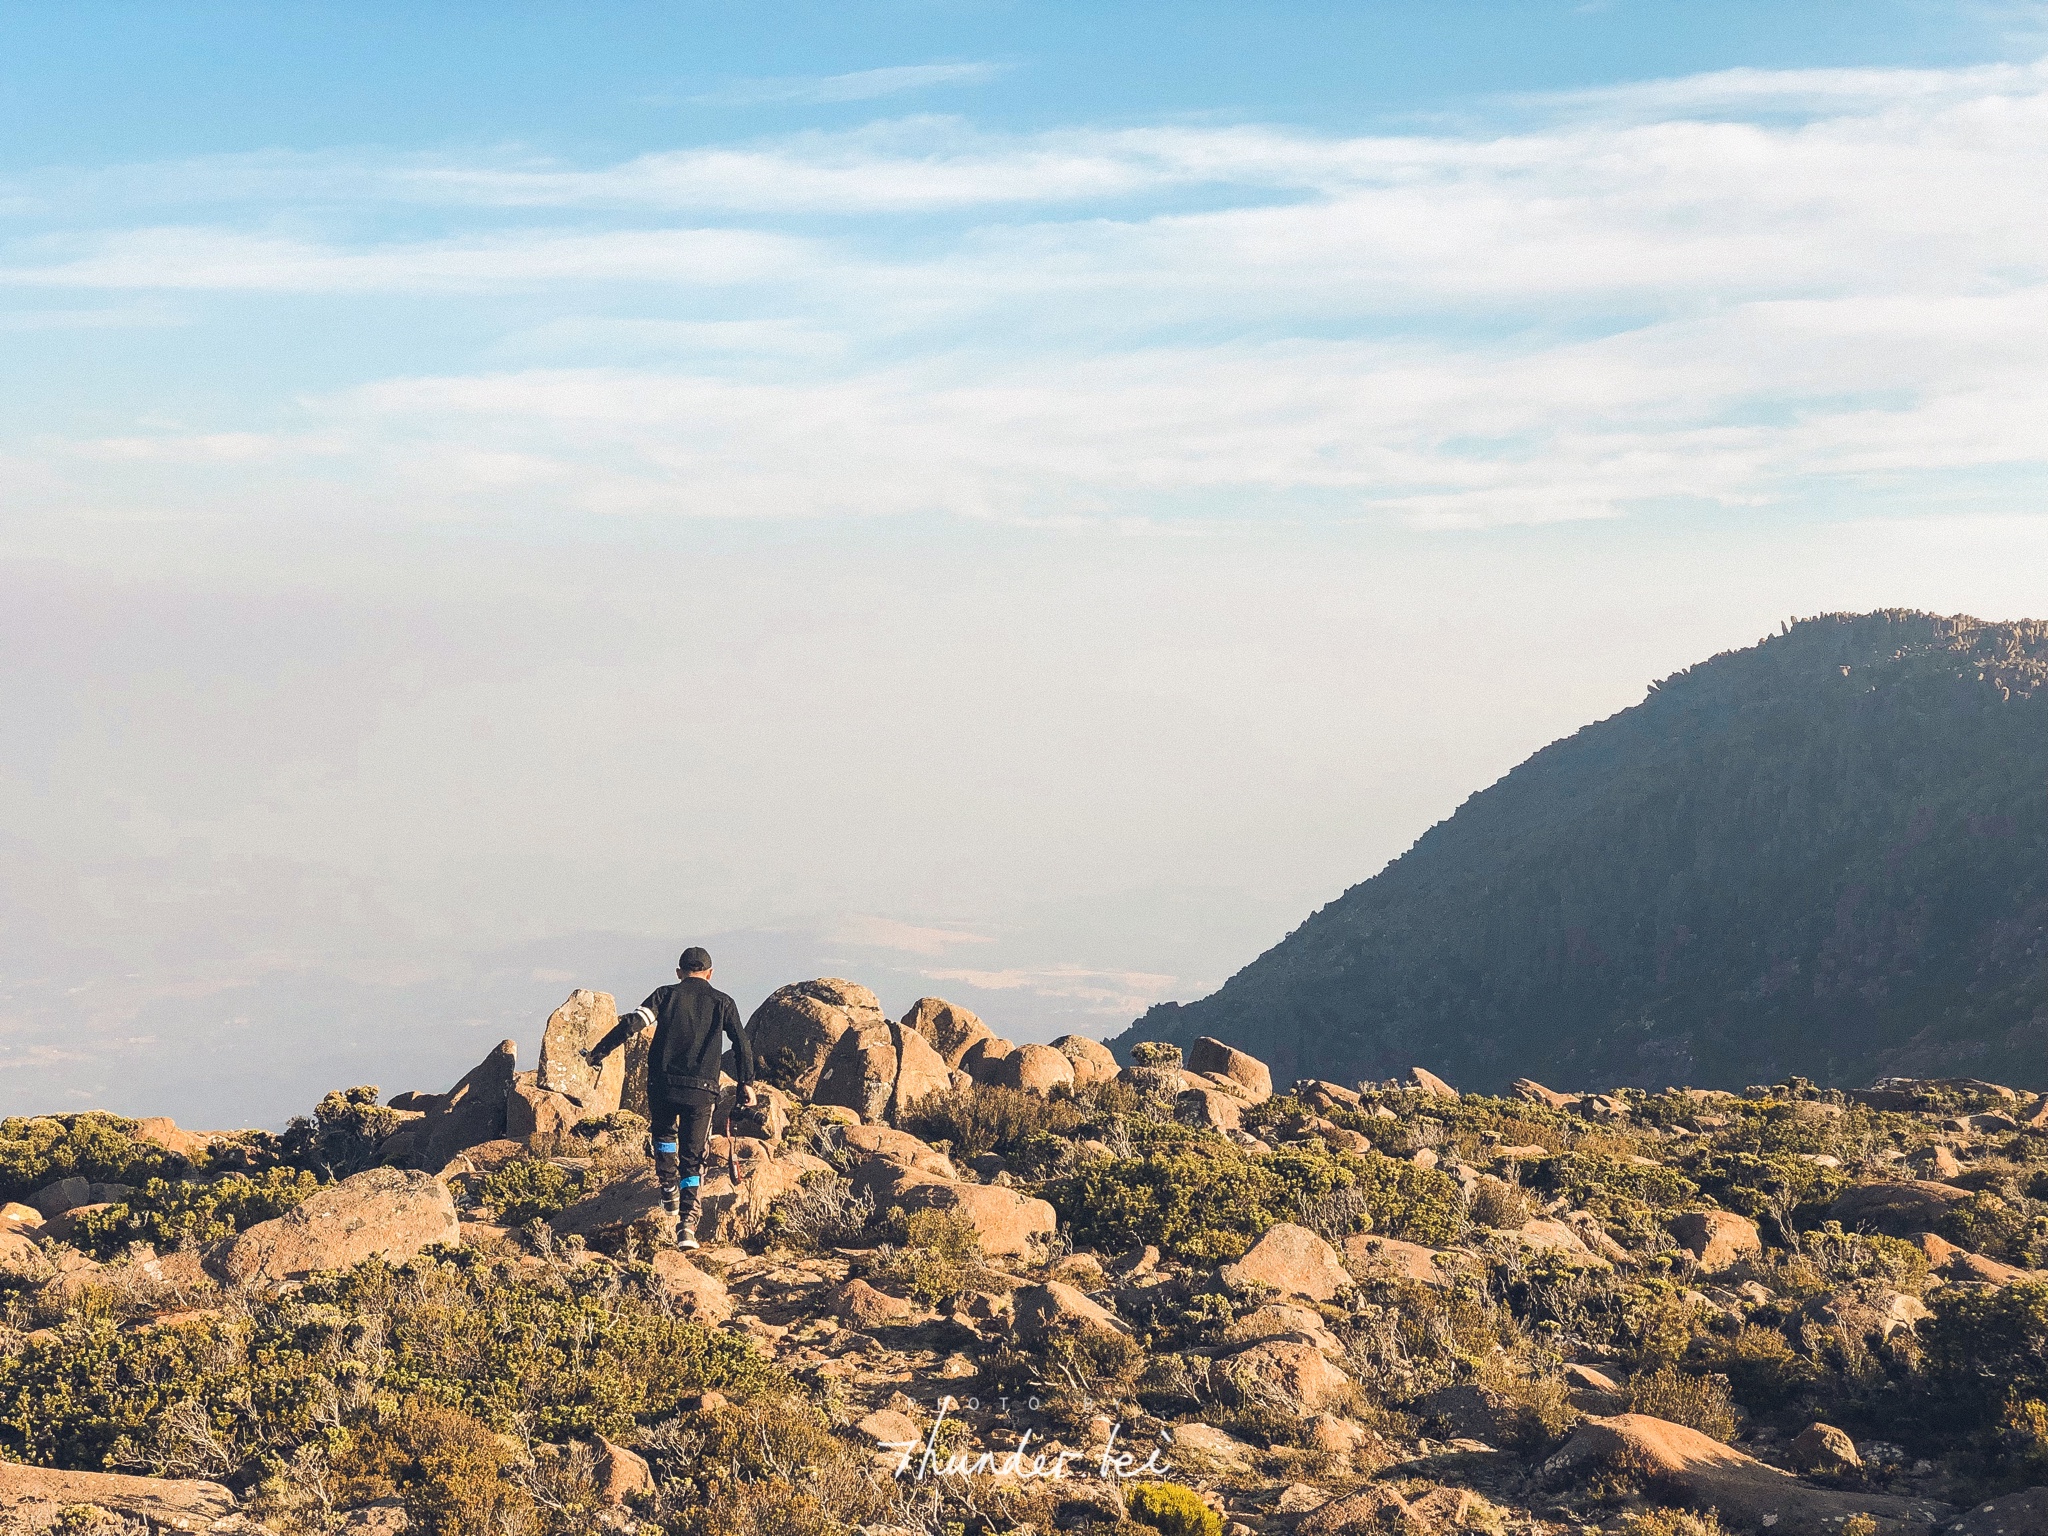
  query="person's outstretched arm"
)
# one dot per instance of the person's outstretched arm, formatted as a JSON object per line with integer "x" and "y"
{"x": 629, "y": 1025}
{"x": 742, "y": 1054}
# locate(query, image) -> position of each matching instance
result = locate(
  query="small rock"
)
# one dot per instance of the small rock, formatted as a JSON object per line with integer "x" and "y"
{"x": 1040, "y": 1310}
{"x": 1824, "y": 1448}
{"x": 619, "y": 1472}
{"x": 860, "y": 1305}
{"x": 694, "y": 1294}
{"x": 1717, "y": 1239}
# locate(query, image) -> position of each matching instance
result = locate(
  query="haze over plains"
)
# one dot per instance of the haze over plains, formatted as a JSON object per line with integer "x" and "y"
{"x": 980, "y": 505}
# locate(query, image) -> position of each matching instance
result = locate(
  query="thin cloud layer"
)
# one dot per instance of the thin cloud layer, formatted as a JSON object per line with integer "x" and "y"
{"x": 1644, "y": 300}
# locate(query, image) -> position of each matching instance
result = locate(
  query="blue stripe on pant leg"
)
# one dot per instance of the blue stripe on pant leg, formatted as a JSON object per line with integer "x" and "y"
{"x": 666, "y": 1146}
{"x": 693, "y": 1181}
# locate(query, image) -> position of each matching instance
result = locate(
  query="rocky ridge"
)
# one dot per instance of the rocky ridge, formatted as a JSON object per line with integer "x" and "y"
{"x": 940, "y": 1260}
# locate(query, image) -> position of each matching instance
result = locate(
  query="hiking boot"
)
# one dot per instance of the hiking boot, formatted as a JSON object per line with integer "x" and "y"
{"x": 672, "y": 1202}
{"x": 686, "y": 1219}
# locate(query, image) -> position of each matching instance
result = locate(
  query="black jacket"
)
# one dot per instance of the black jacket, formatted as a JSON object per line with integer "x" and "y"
{"x": 689, "y": 1017}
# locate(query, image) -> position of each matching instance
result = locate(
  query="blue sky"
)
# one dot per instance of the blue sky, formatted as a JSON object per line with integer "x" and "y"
{"x": 1014, "y": 502}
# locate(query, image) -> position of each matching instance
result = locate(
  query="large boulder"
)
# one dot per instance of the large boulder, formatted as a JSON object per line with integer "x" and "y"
{"x": 1209, "y": 1109}
{"x": 796, "y": 1027}
{"x": 897, "y": 1147}
{"x": 1749, "y": 1494}
{"x": 471, "y": 1112}
{"x": 1296, "y": 1376}
{"x": 1007, "y": 1223}
{"x": 860, "y": 1071}
{"x": 1093, "y": 1061}
{"x": 1208, "y": 1055}
{"x": 387, "y": 1213}
{"x": 1899, "y": 1207}
{"x": 1278, "y": 1320}
{"x": 1036, "y": 1069}
{"x": 920, "y": 1072}
{"x": 860, "y": 1305}
{"x": 583, "y": 1020}
{"x": 163, "y": 1131}
{"x": 533, "y": 1112}
{"x": 62, "y": 1195}
{"x": 1293, "y": 1261}
{"x": 1717, "y": 1239}
{"x": 32, "y": 1498}
{"x": 1535, "y": 1093}
{"x": 982, "y": 1058}
{"x": 634, "y": 1056}
{"x": 948, "y": 1029}
{"x": 1428, "y": 1082}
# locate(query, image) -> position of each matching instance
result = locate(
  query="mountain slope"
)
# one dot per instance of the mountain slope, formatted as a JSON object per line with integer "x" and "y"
{"x": 1824, "y": 855}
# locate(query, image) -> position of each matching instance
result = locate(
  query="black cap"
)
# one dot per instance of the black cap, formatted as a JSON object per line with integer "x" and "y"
{"x": 695, "y": 958}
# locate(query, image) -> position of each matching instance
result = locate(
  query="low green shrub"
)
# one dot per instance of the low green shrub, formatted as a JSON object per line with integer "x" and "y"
{"x": 1628, "y": 1198}
{"x": 185, "y": 1213}
{"x": 1764, "y": 1371}
{"x": 41, "y": 1149}
{"x": 503, "y": 1345}
{"x": 1209, "y": 1199}
{"x": 1782, "y": 1192}
{"x": 1680, "y": 1397}
{"x": 532, "y": 1189}
{"x": 447, "y": 1467}
{"x": 1983, "y": 1349}
{"x": 976, "y": 1120}
{"x": 1172, "y": 1510}
{"x": 940, "y": 1255}
{"x": 2013, "y": 1231}
{"x": 342, "y": 1134}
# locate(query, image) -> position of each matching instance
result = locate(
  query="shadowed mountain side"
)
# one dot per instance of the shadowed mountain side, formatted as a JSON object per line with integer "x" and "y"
{"x": 1826, "y": 855}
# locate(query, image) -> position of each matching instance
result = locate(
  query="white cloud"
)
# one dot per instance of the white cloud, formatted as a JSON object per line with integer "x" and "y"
{"x": 1620, "y": 307}
{"x": 858, "y": 85}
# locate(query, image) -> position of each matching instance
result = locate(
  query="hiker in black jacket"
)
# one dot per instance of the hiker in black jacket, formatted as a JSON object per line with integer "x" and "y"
{"x": 691, "y": 1019}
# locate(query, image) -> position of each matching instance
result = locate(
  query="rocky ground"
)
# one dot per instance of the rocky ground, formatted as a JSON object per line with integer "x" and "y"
{"x": 955, "y": 1285}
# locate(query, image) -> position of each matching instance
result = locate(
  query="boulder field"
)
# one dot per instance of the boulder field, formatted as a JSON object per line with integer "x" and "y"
{"x": 1327, "y": 1309}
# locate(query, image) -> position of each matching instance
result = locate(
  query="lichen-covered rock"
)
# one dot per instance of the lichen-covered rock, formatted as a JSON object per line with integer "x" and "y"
{"x": 31, "y": 1495}
{"x": 1208, "y": 1109}
{"x": 1898, "y": 1208}
{"x": 1297, "y": 1375}
{"x": 1293, "y": 1261}
{"x": 387, "y": 1213}
{"x": 1093, "y": 1061}
{"x": 860, "y": 1305}
{"x": 694, "y": 1294}
{"x": 1704, "y": 1472}
{"x": 949, "y": 1029}
{"x": 1039, "y": 1310}
{"x": 1035, "y": 1068}
{"x": 585, "y": 1018}
{"x": 1209, "y": 1055}
{"x": 1717, "y": 1239}
{"x": 795, "y": 1028}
